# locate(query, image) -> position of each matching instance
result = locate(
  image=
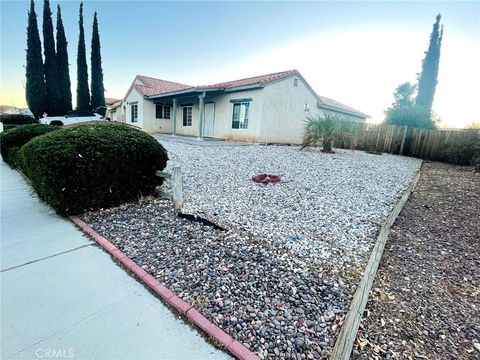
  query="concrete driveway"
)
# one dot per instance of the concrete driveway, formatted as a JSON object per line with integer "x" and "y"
{"x": 63, "y": 297}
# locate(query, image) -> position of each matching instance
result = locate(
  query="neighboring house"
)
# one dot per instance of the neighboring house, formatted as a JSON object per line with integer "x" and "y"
{"x": 268, "y": 108}
{"x": 112, "y": 105}
{"x": 115, "y": 111}
{"x": 7, "y": 109}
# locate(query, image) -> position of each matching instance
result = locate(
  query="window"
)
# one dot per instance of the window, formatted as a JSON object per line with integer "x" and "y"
{"x": 240, "y": 115}
{"x": 134, "y": 113}
{"x": 187, "y": 116}
{"x": 162, "y": 111}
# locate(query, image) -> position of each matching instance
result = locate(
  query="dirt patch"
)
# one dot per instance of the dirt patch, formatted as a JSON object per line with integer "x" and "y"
{"x": 425, "y": 302}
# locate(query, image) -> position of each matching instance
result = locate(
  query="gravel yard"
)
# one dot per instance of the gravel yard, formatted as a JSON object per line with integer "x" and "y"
{"x": 426, "y": 297}
{"x": 281, "y": 277}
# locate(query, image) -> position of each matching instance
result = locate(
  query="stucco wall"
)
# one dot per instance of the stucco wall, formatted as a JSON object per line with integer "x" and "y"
{"x": 284, "y": 111}
{"x": 224, "y": 113}
{"x": 134, "y": 96}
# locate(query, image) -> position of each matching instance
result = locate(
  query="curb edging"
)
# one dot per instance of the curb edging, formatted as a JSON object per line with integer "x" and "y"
{"x": 236, "y": 348}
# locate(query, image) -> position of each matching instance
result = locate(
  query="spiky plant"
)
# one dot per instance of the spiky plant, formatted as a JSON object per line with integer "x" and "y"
{"x": 326, "y": 129}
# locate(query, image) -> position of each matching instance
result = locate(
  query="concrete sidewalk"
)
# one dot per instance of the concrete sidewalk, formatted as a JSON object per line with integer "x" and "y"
{"x": 63, "y": 297}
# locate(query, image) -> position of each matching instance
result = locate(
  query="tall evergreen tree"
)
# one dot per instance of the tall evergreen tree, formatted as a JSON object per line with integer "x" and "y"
{"x": 83, "y": 94}
{"x": 35, "y": 80}
{"x": 98, "y": 90}
{"x": 50, "y": 68}
{"x": 427, "y": 81}
{"x": 63, "y": 74}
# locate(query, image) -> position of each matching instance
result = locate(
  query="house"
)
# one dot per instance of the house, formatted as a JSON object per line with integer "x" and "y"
{"x": 267, "y": 109}
{"x": 114, "y": 109}
{"x": 7, "y": 109}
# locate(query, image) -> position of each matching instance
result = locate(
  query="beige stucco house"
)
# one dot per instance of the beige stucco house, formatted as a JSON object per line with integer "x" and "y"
{"x": 266, "y": 109}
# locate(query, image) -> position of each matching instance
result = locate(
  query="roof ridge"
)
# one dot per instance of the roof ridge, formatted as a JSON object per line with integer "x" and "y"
{"x": 292, "y": 71}
{"x": 156, "y": 79}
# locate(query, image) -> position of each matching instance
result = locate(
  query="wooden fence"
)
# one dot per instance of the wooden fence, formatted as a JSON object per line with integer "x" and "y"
{"x": 408, "y": 141}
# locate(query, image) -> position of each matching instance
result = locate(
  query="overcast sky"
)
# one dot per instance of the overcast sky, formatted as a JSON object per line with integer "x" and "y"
{"x": 354, "y": 52}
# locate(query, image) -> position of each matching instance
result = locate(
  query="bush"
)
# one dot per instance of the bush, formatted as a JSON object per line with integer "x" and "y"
{"x": 92, "y": 166}
{"x": 462, "y": 151}
{"x": 12, "y": 139}
{"x": 327, "y": 129}
{"x": 17, "y": 119}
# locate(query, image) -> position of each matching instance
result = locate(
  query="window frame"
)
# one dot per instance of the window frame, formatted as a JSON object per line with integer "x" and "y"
{"x": 164, "y": 111}
{"x": 134, "y": 119}
{"x": 242, "y": 125}
{"x": 185, "y": 119}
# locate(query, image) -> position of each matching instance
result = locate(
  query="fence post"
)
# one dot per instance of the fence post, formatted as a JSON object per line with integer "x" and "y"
{"x": 177, "y": 185}
{"x": 403, "y": 139}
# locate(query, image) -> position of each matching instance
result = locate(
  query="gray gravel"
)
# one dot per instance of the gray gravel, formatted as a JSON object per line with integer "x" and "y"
{"x": 328, "y": 208}
{"x": 281, "y": 278}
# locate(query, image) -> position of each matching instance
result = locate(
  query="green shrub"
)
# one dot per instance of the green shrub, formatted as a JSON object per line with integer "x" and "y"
{"x": 12, "y": 139}
{"x": 327, "y": 129}
{"x": 92, "y": 166}
{"x": 462, "y": 152}
{"x": 17, "y": 119}
{"x": 10, "y": 126}
{"x": 476, "y": 162}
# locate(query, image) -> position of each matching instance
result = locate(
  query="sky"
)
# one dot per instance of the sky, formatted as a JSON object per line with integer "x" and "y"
{"x": 355, "y": 52}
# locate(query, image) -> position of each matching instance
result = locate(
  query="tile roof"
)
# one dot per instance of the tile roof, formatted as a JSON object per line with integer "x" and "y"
{"x": 254, "y": 80}
{"x": 338, "y": 105}
{"x": 152, "y": 86}
{"x": 6, "y": 108}
{"x": 110, "y": 101}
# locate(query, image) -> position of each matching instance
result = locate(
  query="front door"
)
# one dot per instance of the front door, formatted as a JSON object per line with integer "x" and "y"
{"x": 209, "y": 119}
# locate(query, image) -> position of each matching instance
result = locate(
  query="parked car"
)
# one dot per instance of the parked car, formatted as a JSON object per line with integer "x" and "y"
{"x": 72, "y": 117}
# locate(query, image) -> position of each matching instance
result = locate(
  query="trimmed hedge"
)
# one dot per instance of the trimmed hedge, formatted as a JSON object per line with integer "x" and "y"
{"x": 13, "y": 139}
{"x": 17, "y": 119}
{"x": 92, "y": 166}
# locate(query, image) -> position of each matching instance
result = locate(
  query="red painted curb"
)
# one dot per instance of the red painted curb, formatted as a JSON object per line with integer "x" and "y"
{"x": 236, "y": 348}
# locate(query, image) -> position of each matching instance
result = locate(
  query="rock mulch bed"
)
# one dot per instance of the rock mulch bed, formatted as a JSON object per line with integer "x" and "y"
{"x": 425, "y": 302}
{"x": 327, "y": 208}
{"x": 281, "y": 278}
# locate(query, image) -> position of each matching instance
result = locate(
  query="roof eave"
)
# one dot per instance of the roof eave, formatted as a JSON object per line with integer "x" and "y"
{"x": 344, "y": 111}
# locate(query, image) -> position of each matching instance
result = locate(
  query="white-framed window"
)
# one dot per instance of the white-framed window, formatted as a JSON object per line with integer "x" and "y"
{"x": 162, "y": 111}
{"x": 187, "y": 115}
{"x": 134, "y": 113}
{"x": 240, "y": 115}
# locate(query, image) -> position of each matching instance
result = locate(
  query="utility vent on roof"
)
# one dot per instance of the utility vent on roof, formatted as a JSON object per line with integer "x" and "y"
{"x": 295, "y": 82}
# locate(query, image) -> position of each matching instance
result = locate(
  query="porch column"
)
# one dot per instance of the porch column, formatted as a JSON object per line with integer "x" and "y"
{"x": 174, "y": 133}
{"x": 201, "y": 109}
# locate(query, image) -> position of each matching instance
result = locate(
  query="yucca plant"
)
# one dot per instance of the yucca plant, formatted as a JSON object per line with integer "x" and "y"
{"x": 327, "y": 129}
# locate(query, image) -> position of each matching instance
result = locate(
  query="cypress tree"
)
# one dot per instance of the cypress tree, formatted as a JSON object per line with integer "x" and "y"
{"x": 427, "y": 81}
{"x": 35, "y": 81}
{"x": 98, "y": 91}
{"x": 50, "y": 68}
{"x": 64, "y": 90}
{"x": 83, "y": 94}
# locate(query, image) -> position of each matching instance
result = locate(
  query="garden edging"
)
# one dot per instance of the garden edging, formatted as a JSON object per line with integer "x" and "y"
{"x": 345, "y": 341}
{"x": 168, "y": 296}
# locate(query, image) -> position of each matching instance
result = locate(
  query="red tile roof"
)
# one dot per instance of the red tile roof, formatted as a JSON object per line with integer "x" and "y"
{"x": 152, "y": 86}
{"x": 255, "y": 80}
{"x": 110, "y": 101}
